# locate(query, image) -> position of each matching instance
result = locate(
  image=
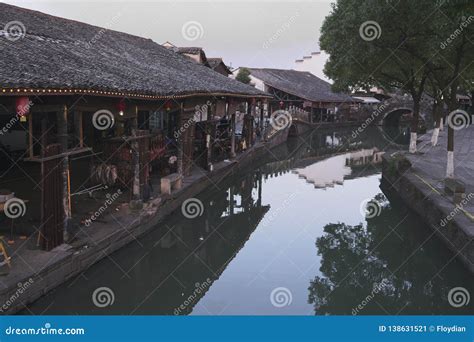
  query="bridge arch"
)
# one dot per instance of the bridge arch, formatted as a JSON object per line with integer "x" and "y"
{"x": 392, "y": 117}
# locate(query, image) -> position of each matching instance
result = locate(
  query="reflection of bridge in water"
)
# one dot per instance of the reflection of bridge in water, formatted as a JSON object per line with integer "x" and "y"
{"x": 171, "y": 269}
{"x": 327, "y": 158}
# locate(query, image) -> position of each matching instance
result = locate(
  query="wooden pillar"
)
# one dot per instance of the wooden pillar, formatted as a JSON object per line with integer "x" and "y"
{"x": 136, "y": 166}
{"x": 179, "y": 141}
{"x": 136, "y": 202}
{"x": 209, "y": 150}
{"x": 62, "y": 118}
{"x": 78, "y": 127}
{"x": 232, "y": 134}
{"x": 30, "y": 135}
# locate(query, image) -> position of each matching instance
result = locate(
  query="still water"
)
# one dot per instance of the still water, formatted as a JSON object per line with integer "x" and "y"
{"x": 289, "y": 236}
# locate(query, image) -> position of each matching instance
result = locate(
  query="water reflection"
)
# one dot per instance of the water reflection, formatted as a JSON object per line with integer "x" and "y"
{"x": 379, "y": 268}
{"x": 257, "y": 233}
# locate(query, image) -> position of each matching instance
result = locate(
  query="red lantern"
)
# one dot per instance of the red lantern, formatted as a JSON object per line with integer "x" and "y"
{"x": 22, "y": 106}
{"x": 121, "y": 105}
{"x": 168, "y": 105}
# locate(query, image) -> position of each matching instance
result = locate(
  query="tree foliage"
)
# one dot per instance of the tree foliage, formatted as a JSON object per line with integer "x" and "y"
{"x": 410, "y": 41}
{"x": 243, "y": 76}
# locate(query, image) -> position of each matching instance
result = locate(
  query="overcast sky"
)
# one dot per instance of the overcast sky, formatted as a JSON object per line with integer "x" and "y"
{"x": 245, "y": 33}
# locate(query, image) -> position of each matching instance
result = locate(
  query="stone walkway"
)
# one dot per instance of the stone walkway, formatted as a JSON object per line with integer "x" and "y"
{"x": 430, "y": 163}
{"x": 422, "y": 188}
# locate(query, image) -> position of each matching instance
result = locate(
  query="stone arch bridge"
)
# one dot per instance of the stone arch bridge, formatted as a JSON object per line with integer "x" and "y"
{"x": 391, "y": 110}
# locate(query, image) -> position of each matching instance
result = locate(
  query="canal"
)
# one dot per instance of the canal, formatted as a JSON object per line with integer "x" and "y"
{"x": 307, "y": 230}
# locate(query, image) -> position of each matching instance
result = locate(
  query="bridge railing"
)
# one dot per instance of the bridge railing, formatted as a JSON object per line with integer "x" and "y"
{"x": 299, "y": 114}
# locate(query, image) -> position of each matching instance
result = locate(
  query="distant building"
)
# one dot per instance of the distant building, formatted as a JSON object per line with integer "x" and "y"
{"x": 198, "y": 55}
{"x": 301, "y": 89}
{"x": 217, "y": 64}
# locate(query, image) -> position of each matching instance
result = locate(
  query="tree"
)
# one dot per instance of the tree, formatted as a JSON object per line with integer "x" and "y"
{"x": 373, "y": 43}
{"x": 243, "y": 76}
{"x": 451, "y": 39}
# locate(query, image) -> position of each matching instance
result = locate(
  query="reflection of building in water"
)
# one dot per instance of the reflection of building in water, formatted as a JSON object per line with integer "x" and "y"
{"x": 364, "y": 157}
{"x": 334, "y": 170}
{"x": 179, "y": 261}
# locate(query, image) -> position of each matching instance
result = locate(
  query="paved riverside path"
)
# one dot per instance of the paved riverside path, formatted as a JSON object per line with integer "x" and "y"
{"x": 431, "y": 162}
{"x": 422, "y": 188}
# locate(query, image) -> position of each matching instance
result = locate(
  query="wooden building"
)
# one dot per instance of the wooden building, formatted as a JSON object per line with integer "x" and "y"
{"x": 303, "y": 90}
{"x": 217, "y": 64}
{"x": 104, "y": 108}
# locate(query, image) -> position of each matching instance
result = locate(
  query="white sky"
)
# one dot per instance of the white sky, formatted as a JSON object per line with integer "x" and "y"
{"x": 245, "y": 33}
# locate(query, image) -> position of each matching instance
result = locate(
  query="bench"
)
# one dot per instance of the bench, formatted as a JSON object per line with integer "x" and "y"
{"x": 171, "y": 182}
